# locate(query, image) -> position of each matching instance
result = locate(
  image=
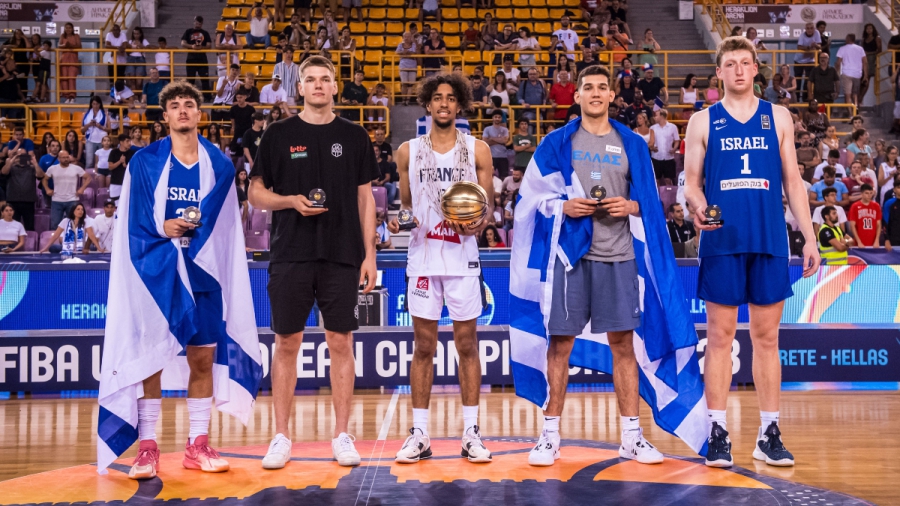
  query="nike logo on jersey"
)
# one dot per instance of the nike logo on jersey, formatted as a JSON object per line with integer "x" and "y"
{"x": 738, "y": 143}
{"x": 443, "y": 232}
{"x": 720, "y": 127}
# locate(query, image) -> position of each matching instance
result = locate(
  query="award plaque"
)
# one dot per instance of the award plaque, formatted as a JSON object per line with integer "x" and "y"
{"x": 406, "y": 220}
{"x": 713, "y": 215}
{"x": 191, "y": 215}
{"x": 317, "y": 197}
{"x": 598, "y": 193}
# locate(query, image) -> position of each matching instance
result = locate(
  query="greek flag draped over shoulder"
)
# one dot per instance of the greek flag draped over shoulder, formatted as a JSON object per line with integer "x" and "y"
{"x": 665, "y": 343}
{"x": 149, "y": 314}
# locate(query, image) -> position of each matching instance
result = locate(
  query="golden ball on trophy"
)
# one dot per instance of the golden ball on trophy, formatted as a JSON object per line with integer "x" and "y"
{"x": 465, "y": 204}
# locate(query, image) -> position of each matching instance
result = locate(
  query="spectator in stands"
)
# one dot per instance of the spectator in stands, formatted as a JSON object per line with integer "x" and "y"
{"x": 249, "y": 86}
{"x": 532, "y": 92}
{"x": 856, "y": 123}
{"x": 277, "y": 113}
{"x": 713, "y": 94}
{"x": 226, "y": 89}
{"x": 816, "y": 198}
{"x": 772, "y": 92}
{"x": 562, "y": 95}
{"x": 524, "y": 144}
{"x": 642, "y": 128}
{"x": 250, "y": 140}
{"x": 471, "y": 37}
{"x": 158, "y": 131}
{"x": 589, "y": 7}
{"x": 163, "y": 61}
{"x": 500, "y": 88}
{"x": 816, "y": 122}
{"x": 273, "y": 93}
{"x": 834, "y": 157}
{"x": 864, "y": 220}
{"x": 418, "y": 37}
{"x": 479, "y": 93}
{"x": 347, "y": 45}
{"x": 408, "y": 66}
{"x": 689, "y": 93}
{"x": 290, "y": 76}
{"x": 807, "y": 154}
{"x": 388, "y": 176}
{"x": 12, "y": 233}
{"x": 384, "y": 148}
{"x": 118, "y": 161}
{"x": 10, "y": 91}
{"x": 528, "y": 47}
{"x": 434, "y": 45}
{"x": 593, "y": 41}
{"x": 810, "y": 41}
{"x": 860, "y": 142}
{"x": 830, "y": 141}
{"x": 104, "y": 226}
{"x": 626, "y": 87}
{"x": 497, "y": 137}
{"x": 788, "y": 82}
{"x": 567, "y": 37}
{"x": 95, "y": 127}
{"x": 197, "y": 39}
{"x": 136, "y": 61}
{"x": 242, "y": 186}
{"x": 858, "y": 176}
{"x": 822, "y": 28}
{"x": 122, "y": 99}
{"x": 51, "y": 157}
{"x": 40, "y": 150}
{"x": 379, "y": 98}
{"x": 382, "y": 234}
{"x": 214, "y": 135}
{"x": 652, "y": 87}
{"x": 680, "y": 231}
{"x": 879, "y": 152}
{"x": 512, "y": 74}
{"x": 853, "y": 67}
{"x": 618, "y": 43}
{"x": 505, "y": 41}
{"x": 230, "y": 44}
{"x": 323, "y": 42}
{"x": 42, "y": 71}
{"x": 74, "y": 234}
{"x": 22, "y": 170}
{"x": 430, "y": 9}
{"x": 69, "y": 65}
{"x": 18, "y": 141}
{"x": 587, "y": 59}
{"x": 637, "y": 107}
{"x": 490, "y": 238}
{"x": 667, "y": 141}
{"x": 833, "y": 243}
{"x": 563, "y": 62}
{"x": 241, "y": 115}
{"x": 115, "y": 41}
{"x": 65, "y": 192}
{"x": 101, "y": 157}
{"x": 871, "y": 44}
{"x": 260, "y": 18}
{"x": 74, "y": 145}
{"x": 150, "y": 96}
{"x": 295, "y": 33}
{"x": 354, "y": 94}
{"x": 891, "y": 212}
{"x": 887, "y": 171}
{"x": 824, "y": 82}
{"x": 829, "y": 196}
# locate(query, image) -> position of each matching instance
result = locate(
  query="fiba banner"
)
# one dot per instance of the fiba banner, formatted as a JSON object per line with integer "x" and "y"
{"x": 793, "y": 14}
{"x": 66, "y": 361}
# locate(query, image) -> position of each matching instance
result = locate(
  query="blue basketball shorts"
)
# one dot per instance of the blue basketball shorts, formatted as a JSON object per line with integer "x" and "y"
{"x": 208, "y": 319}
{"x": 755, "y": 278}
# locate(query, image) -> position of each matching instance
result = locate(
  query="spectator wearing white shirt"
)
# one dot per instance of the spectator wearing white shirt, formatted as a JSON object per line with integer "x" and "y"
{"x": 382, "y": 234}
{"x": 567, "y": 37}
{"x": 104, "y": 225}
{"x": 290, "y": 75}
{"x": 65, "y": 192}
{"x": 115, "y": 41}
{"x": 74, "y": 234}
{"x": 830, "y": 196}
{"x": 137, "y": 62}
{"x": 163, "y": 61}
{"x": 259, "y": 26}
{"x": 511, "y": 73}
{"x": 226, "y": 89}
{"x": 229, "y": 42}
{"x": 273, "y": 93}
{"x": 809, "y": 41}
{"x": 667, "y": 140}
{"x": 12, "y": 233}
{"x": 833, "y": 157}
{"x": 852, "y": 66}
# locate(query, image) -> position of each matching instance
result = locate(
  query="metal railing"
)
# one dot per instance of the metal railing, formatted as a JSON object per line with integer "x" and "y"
{"x": 119, "y": 14}
{"x": 715, "y": 11}
{"x": 890, "y": 8}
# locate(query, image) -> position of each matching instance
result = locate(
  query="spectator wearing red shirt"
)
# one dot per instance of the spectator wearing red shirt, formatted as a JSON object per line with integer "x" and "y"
{"x": 562, "y": 95}
{"x": 864, "y": 218}
{"x": 855, "y": 181}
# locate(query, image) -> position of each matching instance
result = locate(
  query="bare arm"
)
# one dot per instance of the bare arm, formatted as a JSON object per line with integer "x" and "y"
{"x": 851, "y": 226}
{"x": 368, "y": 272}
{"x": 93, "y": 238}
{"x": 695, "y": 152}
{"x": 52, "y": 241}
{"x": 261, "y": 197}
{"x": 85, "y": 182}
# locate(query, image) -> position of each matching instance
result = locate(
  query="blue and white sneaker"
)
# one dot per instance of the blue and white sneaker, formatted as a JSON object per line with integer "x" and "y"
{"x": 417, "y": 447}
{"x": 473, "y": 448}
{"x": 770, "y": 449}
{"x": 718, "y": 447}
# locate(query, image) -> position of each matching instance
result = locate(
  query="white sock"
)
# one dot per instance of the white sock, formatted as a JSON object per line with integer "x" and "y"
{"x": 551, "y": 423}
{"x": 148, "y": 414}
{"x": 200, "y": 411}
{"x": 470, "y": 417}
{"x": 420, "y": 420}
{"x": 718, "y": 416}
{"x": 631, "y": 425}
{"x": 767, "y": 417}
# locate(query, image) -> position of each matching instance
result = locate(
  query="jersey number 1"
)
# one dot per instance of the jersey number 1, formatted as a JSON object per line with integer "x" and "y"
{"x": 746, "y": 158}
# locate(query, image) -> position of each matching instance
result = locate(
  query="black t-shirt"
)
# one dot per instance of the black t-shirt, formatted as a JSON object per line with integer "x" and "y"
{"x": 117, "y": 175}
{"x": 684, "y": 233}
{"x": 386, "y": 167}
{"x": 353, "y": 91}
{"x": 386, "y": 150}
{"x": 651, "y": 88}
{"x": 253, "y": 97}
{"x": 193, "y": 36}
{"x": 251, "y": 141}
{"x": 434, "y": 63}
{"x": 243, "y": 119}
{"x": 825, "y": 237}
{"x": 620, "y": 14}
{"x": 295, "y": 157}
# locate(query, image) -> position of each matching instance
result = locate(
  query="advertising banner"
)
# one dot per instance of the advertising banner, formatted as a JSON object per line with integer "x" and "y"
{"x": 793, "y": 14}
{"x": 83, "y": 12}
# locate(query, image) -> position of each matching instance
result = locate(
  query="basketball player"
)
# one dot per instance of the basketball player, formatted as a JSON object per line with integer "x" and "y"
{"x": 602, "y": 286}
{"x": 443, "y": 266}
{"x": 318, "y": 254}
{"x": 743, "y": 149}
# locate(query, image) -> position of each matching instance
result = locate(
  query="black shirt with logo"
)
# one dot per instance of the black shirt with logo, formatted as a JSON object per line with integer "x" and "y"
{"x": 251, "y": 141}
{"x": 197, "y": 36}
{"x": 293, "y": 158}
{"x": 386, "y": 150}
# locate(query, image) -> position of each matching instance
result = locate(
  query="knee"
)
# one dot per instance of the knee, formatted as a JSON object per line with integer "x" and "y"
{"x": 425, "y": 350}
{"x": 201, "y": 362}
{"x": 718, "y": 344}
{"x": 340, "y": 345}
{"x": 765, "y": 341}
{"x": 288, "y": 345}
{"x": 467, "y": 347}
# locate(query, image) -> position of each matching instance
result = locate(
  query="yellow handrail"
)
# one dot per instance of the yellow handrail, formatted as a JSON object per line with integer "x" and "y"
{"x": 889, "y": 8}
{"x": 715, "y": 11}
{"x": 119, "y": 14}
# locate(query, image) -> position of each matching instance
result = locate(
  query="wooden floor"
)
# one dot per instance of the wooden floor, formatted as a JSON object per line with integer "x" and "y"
{"x": 842, "y": 441}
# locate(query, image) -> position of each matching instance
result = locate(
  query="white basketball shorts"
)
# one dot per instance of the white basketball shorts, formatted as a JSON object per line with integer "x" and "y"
{"x": 426, "y": 296}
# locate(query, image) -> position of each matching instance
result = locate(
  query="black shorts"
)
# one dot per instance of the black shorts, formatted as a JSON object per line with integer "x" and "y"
{"x": 295, "y": 286}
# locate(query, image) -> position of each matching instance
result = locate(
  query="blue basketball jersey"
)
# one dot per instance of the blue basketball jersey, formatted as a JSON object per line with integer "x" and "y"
{"x": 743, "y": 177}
{"x": 184, "y": 191}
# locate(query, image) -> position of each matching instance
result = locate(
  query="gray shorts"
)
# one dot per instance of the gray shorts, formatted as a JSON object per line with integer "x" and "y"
{"x": 605, "y": 293}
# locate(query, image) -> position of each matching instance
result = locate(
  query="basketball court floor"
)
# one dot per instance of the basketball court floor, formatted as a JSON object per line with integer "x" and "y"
{"x": 845, "y": 444}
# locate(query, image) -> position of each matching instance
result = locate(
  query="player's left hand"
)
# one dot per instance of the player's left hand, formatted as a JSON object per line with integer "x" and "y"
{"x": 368, "y": 274}
{"x": 464, "y": 230}
{"x": 619, "y": 207}
{"x": 811, "y": 259}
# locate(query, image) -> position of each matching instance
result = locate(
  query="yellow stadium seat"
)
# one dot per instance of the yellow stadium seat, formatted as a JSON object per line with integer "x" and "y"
{"x": 288, "y": 12}
{"x": 390, "y": 71}
{"x": 521, "y": 14}
{"x": 253, "y": 57}
{"x": 555, "y": 3}
{"x": 269, "y": 57}
{"x": 450, "y": 13}
{"x": 504, "y": 14}
{"x": 467, "y": 13}
{"x": 371, "y": 71}
{"x": 373, "y": 56}
{"x": 452, "y": 41}
{"x": 557, "y": 13}
{"x": 250, "y": 68}
{"x": 376, "y": 13}
{"x": 235, "y": 2}
{"x": 395, "y": 13}
{"x": 410, "y": 14}
{"x": 541, "y": 13}
{"x": 394, "y": 27}
{"x": 60, "y": 118}
{"x": 357, "y": 27}
{"x": 502, "y": 3}
{"x": 392, "y": 41}
{"x": 376, "y": 27}
{"x": 397, "y": 3}
{"x": 266, "y": 71}
{"x": 544, "y": 41}
{"x": 242, "y": 26}
{"x": 375, "y": 41}
{"x": 543, "y": 28}
{"x": 472, "y": 56}
{"x": 572, "y": 3}
{"x": 220, "y": 27}
{"x": 378, "y": 3}
{"x": 231, "y": 13}
{"x": 521, "y": 3}
{"x": 448, "y": 3}
{"x": 450, "y": 27}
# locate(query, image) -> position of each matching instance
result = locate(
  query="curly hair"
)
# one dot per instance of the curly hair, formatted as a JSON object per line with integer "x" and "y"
{"x": 462, "y": 90}
{"x": 179, "y": 89}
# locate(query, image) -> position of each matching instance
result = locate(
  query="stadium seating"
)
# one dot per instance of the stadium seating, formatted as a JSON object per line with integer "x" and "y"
{"x": 257, "y": 240}
{"x": 380, "y": 194}
{"x": 31, "y": 240}
{"x": 667, "y": 196}
{"x": 45, "y": 238}
{"x": 258, "y": 220}
{"x": 41, "y": 223}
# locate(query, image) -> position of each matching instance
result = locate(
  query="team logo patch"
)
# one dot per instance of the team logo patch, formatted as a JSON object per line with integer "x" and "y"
{"x": 298, "y": 152}
{"x": 745, "y": 184}
{"x": 596, "y": 174}
{"x": 336, "y": 150}
{"x": 613, "y": 149}
{"x": 422, "y": 283}
{"x": 766, "y": 123}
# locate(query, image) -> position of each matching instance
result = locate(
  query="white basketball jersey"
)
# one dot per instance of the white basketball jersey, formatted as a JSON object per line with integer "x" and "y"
{"x": 434, "y": 248}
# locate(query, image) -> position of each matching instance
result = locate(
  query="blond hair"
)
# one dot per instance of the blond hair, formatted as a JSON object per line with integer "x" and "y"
{"x": 735, "y": 43}
{"x": 317, "y": 61}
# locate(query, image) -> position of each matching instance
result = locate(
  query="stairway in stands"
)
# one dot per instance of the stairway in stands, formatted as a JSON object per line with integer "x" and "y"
{"x": 173, "y": 17}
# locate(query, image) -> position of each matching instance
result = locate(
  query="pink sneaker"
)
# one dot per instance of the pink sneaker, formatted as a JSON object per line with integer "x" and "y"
{"x": 146, "y": 464}
{"x": 201, "y": 456}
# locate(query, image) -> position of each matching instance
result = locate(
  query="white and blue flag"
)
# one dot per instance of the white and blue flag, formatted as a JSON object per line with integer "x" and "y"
{"x": 664, "y": 344}
{"x": 150, "y": 313}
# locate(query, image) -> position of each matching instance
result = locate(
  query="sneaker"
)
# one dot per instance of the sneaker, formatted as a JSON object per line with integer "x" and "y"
{"x": 343, "y": 450}
{"x": 635, "y": 447}
{"x": 146, "y": 464}
{"x": 416, "y": 447}
{"x": 201, "y": 456}
{"x": 472, "y": 447}
{"x": 546, "y": 451}
{"x": 718, "y": 452}
{"x": 279, "y": 453}
{"x": 770, "y": 448}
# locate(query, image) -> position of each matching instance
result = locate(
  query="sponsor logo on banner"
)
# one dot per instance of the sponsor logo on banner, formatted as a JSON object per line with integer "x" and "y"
{"x": 745, "y": 184}
{"x": 792, "y": 14}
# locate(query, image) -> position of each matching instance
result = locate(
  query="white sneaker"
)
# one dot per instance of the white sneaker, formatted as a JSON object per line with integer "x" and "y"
{"x": 472, "y": 447}
{"x": 635, "y": 447}
{"x": 546, "y": 451}
{"x": 417, "y": 447}
{"x": 343, "y": 450}
{"x": 279, "y": 453}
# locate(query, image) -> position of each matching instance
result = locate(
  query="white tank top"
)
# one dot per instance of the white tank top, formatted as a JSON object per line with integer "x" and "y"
{"x": 434, "y": 248}
{"x": 689, "y": 96}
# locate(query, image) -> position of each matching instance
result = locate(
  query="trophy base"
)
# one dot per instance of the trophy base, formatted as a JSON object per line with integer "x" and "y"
{"x": 407, "y": 226}
{"x": 316, "y": 206}
{"x": 714, "y": 222}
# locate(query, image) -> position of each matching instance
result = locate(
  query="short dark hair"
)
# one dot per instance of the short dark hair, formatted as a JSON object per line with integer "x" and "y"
{"x": 857, "y": 134}
{"x": 865, "y": 187}
{"x": 124, "y": 137}
{"x": 828, "y": 191}
{"x": 161, "y": 39}
{"x": 461, "y": 89}
{"x": 851, "y": 37}
{"x": 854, "y": 118}
{"x": 235, "y": 66}
{"x": 179, "y": 89}
{"x": 821, "y": 23}
{"x": 198, "y": 19}
{"x": 593, "y": 70}
{"x": 258, "y": 116}
{"x": 829, "y": 170}
{"x": 826, "y": 211}
{"x": 672, "y": 207}
{"x": 241, "y": 91}
{"x": 833, "y": 153}
{"x": 19, "y": 129}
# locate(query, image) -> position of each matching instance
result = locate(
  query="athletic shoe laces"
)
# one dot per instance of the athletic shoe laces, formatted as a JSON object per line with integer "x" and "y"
{"x": 206, "y": 450}
{"x": 280, "y": 445}
{"x": 544, "y": 443}
{"x": 345, "y": 443}
{"x": 774, "y": 439}
{"x": 414, "y": 439}
{"x": 146, "y": 456}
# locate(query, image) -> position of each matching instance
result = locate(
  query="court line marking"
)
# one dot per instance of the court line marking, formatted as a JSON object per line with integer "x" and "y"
{"x": 382, "y": 436}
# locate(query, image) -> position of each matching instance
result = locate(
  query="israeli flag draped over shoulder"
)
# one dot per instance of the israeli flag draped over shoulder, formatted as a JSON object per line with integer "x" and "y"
{"x": 665, "y": 343}
{"x": 149, "y": 314}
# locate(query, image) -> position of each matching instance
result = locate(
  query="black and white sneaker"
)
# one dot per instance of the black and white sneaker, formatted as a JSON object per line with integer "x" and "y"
{"x": 416, "y": 447}
{"x": 473, "y": 448}
{"x": 718, "y": 447}
{"x": 770, "y": 449}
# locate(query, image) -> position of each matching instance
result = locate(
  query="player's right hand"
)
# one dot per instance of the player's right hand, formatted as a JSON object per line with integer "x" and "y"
{"x": 176, "y": 227}
{"x": 393, "y": 226}
{"x": 577, "y": 208}
{"x": 303, "y": 206}
{"x": 700, "y": 221}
